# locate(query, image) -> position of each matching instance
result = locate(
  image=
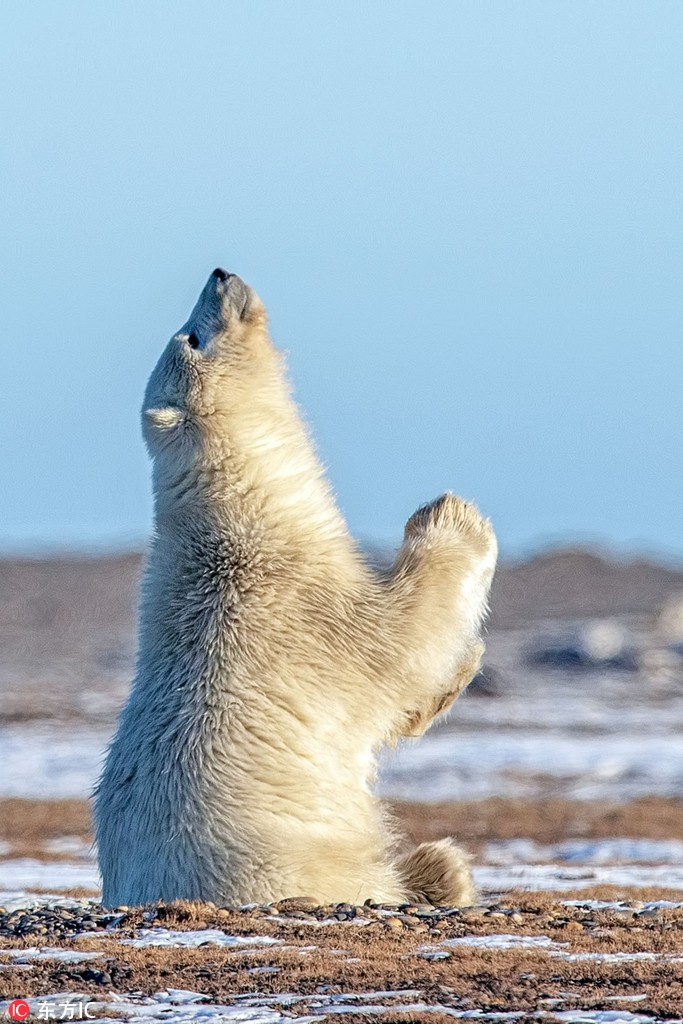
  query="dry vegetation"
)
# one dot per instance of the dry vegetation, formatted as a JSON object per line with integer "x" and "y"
{"x": 351, "y": 958}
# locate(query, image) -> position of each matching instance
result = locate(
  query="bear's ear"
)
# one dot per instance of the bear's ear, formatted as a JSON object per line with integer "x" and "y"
{"x": 164, "y": 419}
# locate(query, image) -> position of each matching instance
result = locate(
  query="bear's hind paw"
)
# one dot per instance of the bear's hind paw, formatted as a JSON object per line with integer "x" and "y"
{"x": 438, "y": 873}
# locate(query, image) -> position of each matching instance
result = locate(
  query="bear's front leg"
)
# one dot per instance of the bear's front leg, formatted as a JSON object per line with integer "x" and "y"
{"x": 419, "y": 721}
{"x": 437, "y": 594}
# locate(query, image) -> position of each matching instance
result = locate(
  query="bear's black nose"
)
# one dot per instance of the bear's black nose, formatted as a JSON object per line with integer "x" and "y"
{"x": 221, "y": 274}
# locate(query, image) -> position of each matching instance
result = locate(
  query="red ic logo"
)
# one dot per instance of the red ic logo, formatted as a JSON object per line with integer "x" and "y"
{"x": 18, "y": 1009}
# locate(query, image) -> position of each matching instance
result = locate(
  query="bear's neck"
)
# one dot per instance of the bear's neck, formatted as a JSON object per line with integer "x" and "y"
{"x": 260, "y": 484}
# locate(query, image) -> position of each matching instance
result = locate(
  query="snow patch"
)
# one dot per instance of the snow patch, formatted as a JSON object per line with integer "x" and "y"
{"x": 73, "y": 845}
{"x": 21, "y": 956}
{"x": 543, "y": 877}
{"x": 594, "y": 851}
{"x": 65, "y": 762}
{"x": 181, "y": 1006}
{"x": 450, "y": 765}
{"x": 503, "y": 941}
{"x": 628, "y": 908}
{"x": 447, "y": 764}
{"x": 606, "y": 1017}
{"x": 618, "y": 958}
{"x": 26, "y": 873}
{"x": 204, "y": 937}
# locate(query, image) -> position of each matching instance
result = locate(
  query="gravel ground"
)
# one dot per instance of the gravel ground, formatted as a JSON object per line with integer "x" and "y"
{"x": 521, "y": 955}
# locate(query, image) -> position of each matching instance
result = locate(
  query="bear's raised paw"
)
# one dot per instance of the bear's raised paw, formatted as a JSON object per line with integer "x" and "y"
{"x": 452, "y": 514}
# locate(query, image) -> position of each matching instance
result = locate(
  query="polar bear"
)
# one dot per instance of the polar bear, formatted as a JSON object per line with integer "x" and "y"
{"x": 273, "y": 662}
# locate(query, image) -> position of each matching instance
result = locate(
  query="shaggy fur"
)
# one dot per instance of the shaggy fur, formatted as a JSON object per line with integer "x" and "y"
{"x": 273, "y": 663}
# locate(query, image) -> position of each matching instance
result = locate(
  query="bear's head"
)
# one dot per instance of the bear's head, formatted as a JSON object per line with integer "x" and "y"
{"x": 219, "y": 368}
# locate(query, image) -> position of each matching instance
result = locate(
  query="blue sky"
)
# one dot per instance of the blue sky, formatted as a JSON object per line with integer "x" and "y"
{"x": 464, "y": 217}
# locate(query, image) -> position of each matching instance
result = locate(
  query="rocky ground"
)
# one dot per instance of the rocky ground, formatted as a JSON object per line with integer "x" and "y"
{"x": 523, "y": 956}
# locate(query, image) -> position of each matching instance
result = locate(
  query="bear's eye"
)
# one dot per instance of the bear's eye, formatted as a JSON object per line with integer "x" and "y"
{"x": 193, "y": 341}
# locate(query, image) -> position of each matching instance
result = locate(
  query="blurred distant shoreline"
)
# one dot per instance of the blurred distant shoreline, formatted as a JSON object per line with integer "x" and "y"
{"x": 553, "y": 582}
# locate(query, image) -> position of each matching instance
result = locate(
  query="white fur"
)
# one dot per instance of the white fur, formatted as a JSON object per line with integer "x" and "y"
{"x": 273, "y": 664}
